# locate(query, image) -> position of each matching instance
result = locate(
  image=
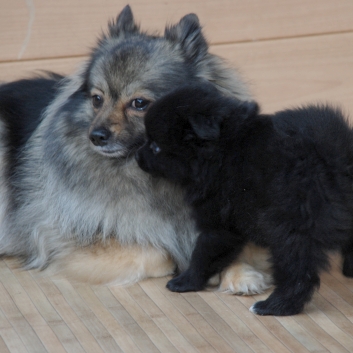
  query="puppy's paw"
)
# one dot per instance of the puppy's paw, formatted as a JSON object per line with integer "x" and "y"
{"x": 184, "y": 283}
{"x": 275, "y": 308}
{"x": 243, "y": 279}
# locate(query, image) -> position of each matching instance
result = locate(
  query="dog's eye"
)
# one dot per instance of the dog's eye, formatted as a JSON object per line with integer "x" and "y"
{"x": 97, "y": 101}
{"x": 140, "y": 103}
{"x": 155, "y": 148}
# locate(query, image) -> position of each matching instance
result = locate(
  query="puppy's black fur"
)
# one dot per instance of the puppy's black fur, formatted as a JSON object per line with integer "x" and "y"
{"x": 283, "y": 181}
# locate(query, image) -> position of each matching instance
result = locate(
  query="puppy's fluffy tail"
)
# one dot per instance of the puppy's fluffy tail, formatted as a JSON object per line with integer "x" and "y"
{"x": 112, "y": 264}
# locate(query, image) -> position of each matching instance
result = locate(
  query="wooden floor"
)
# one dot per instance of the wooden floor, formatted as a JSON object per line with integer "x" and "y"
{"x": 40, "y": 314}
{"x": 290, "y": 52}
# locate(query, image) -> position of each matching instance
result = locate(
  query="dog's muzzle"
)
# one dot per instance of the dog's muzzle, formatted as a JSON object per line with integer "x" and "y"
{"x": 100, "y": 137}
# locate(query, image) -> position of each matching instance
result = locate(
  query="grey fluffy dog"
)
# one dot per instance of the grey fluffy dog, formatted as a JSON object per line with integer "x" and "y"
{"x": 71, "y": 192}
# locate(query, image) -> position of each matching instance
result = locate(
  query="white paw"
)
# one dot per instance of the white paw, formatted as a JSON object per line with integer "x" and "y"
{"x": 252, "y": 310}
{"x": 243, "y": 279}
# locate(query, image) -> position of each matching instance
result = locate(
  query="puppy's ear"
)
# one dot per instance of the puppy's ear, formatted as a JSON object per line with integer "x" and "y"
{"x": 188, "y": 34}
{"x": 206, "y": 127}
{"x": 124, "y": 24}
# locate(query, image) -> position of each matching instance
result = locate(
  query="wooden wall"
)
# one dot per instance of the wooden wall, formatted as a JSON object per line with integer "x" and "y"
{"x": 291, "y": 52}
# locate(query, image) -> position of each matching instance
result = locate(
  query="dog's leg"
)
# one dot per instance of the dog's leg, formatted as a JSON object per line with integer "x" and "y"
{"x": 113, "y": 264}
{"x": 212, "y": 253}
{"x": 296, "y": 276}
{"x": 347, "y": 253}
{"x": 249, "y": 274}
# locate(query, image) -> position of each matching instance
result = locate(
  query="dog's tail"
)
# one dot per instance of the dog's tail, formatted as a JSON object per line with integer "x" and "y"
{"x": 112, "y": 264}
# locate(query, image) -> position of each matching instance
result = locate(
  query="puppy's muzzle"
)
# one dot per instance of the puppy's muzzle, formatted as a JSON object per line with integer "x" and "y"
{"x": 100, "y": 136}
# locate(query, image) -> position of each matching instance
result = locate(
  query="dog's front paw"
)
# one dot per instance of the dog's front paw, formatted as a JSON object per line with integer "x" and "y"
{"x": 184, "y": 283}
{"x": 275, "y": 308}
{"x": 243, "y": 279}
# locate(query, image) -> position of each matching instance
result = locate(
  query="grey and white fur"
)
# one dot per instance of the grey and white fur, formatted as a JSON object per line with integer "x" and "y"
{"x": 71, "y": 192}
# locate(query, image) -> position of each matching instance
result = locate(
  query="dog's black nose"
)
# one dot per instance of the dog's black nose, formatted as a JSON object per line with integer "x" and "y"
{"x": 100, "y": 137}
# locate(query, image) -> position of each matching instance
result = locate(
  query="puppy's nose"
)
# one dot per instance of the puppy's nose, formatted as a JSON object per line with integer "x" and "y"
{"x": 100, "y": 136}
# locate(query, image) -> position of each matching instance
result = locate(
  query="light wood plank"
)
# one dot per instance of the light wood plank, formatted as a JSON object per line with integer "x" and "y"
{"x": 281, "y": 73}
{"x": 3, "y": 347}
{"x": 116, "y": 297}
{"x": 27, "y": 69}
{"x": 315, "y": 322}
{"x": 304, "y": 337}
{"x": 23, "y": 329}
{"x": 38, "y": 29}
{"x": 12, "y": 341}
{"x": 76, "y": 324}
{"x": 321, "y": 311}
{"x": 250, "y": 338}
{"x": 9, "y": 337}
{"x": 253, "y": 323}
{"x": 120, "y": 325}
{"x": 88, "y": 317}
{"x": 178, "y": 320}
{"x": 192, "y": 316}
{"x": 275, "y": 327}
{"x": 289, "y": 72}
{"x": 336, "y": 272}
{"x": 230, "y": 336}
{"x": 28, "y": 309}
{"x": 46, "y": 310}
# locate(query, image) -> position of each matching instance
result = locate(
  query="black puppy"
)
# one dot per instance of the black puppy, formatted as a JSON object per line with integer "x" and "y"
{"x": 283, "y": 181}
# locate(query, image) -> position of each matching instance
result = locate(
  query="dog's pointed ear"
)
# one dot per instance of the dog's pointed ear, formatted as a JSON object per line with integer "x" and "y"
{"x": 206, "y": 127}
{"x": 188, "y": 34}
{"x": 124, "y": 24}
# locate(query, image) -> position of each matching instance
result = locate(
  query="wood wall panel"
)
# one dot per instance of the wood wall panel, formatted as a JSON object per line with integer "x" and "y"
{"x": 15, "y": 70}
{"x": 36, "y": 29}
{"x": 296, "y": 71}
{"x": 281, "y": 73}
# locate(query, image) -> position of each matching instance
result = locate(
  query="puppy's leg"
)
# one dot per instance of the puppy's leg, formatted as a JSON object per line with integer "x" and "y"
{"x": 212, "y": 253}
{"x": 296, "y": 274}
{"x": 347, "y": 253}
{"x": 249, "y": 274}
{"x": 113, "y": 264}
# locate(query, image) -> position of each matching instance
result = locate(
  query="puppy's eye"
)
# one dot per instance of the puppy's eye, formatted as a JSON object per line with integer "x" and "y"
{"x": 155, "y": 148}
{"x": 140, "y": 103}
{"x": 97, "y": 101}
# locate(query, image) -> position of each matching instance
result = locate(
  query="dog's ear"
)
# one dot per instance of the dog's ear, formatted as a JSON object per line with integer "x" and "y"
{"x": 124, "y": 24}
{"x": 188, "y": 34}
{"x": 206, "y": 127}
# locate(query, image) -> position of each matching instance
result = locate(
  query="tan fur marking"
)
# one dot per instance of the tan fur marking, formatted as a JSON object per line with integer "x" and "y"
{"x": 113, "y": 264}
{"x": 116, "y": 120}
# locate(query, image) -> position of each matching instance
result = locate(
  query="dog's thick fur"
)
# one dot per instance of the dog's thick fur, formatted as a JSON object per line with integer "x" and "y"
{"x": 283, "y": 181}
{"x": 70, "y": 189}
